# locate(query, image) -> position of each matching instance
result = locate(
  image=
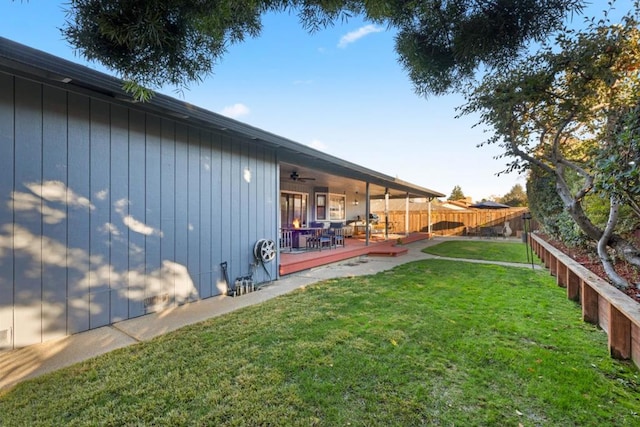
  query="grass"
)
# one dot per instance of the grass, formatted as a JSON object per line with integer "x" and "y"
{"x": 483, "y": 250}
{"x": 433, "y": 342}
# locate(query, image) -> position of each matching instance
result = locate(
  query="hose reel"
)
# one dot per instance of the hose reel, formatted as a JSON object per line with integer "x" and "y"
{"x": 264, "y": 250}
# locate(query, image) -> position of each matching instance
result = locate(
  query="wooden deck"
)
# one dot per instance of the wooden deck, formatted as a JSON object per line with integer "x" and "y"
{"x": 291, "y": 262}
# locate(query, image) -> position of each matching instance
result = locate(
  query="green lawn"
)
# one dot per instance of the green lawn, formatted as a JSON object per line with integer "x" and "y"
{"x": 483, "y": 250}
{"x": 434, "y": 342}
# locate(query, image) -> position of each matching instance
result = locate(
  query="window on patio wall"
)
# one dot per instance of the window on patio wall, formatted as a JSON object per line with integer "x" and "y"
{"x": 331, "y": 207}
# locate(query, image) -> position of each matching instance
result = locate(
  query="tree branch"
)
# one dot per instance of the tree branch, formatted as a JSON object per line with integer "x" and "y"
{"x": 603, "y": 253}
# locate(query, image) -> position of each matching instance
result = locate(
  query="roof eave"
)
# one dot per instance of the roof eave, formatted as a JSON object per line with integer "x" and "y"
{"x": 63, "y": 73}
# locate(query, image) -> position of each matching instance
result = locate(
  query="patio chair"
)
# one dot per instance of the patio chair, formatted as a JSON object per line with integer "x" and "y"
{"x": 319, "y": 239}
{"x": 338, "y": 237}
{"x": 486, "y": 232}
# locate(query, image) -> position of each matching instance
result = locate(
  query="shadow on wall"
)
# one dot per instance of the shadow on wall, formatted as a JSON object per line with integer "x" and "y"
{"x": 60, "y": 289}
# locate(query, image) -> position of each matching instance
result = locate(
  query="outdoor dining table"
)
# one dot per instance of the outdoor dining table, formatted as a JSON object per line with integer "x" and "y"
{"x": 359, "y": 227}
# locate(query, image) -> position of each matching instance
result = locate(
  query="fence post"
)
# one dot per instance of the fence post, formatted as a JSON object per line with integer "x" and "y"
{"x": 561, "y": 278}
{"x": 573, "y": 286}
{"x": 619, "y": 334}
{"x": 589, "y": 303}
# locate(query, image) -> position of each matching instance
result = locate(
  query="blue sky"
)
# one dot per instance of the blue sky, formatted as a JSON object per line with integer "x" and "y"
{"x": 340, "y": 90}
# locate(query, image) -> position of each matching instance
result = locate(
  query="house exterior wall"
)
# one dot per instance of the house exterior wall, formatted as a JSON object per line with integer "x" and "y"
{"x": 108, "y": 212}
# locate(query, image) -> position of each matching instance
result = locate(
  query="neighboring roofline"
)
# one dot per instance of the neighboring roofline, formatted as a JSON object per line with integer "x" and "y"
{"x": 50, "y": 69}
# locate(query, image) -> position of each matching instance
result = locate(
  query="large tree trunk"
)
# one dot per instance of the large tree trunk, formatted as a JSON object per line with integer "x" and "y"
{"x": 603, "y": 252}
{"x": 572, "y": 203}
{"x": 622, "y": 247}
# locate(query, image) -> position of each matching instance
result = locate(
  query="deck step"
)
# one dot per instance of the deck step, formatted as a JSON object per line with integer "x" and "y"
{"x": 389, "y": 251}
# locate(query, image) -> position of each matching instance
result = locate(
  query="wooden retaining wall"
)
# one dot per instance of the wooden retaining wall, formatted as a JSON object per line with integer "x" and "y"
{"x": 602, "y": 304}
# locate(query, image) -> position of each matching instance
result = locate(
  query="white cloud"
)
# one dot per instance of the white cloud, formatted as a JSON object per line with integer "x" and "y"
{"x": 318, "y": 145}
{"x": 361, "y": 32}
{"x": 236, "y": 110}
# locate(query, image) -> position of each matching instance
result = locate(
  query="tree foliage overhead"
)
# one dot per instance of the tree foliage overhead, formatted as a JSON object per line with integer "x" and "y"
{"x": 571, "y": 111}
{"x": 456, "y": 194}
{"x": 440, "y": 43}
{"x": 516, "y": 197}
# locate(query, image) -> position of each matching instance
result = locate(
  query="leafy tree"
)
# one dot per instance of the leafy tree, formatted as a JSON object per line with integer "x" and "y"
{"x": 515, "y": 197}
{"x": 571, "y": 110}
{"x": 441, "y": 43}
{"x": 456, "y": 194}
{"x": 547, "y": 208}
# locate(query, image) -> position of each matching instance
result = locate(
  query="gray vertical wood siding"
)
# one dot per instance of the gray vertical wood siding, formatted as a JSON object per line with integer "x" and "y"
{"x": 54, "y": 173}
{"x": 28, "y": 217}
{"x": 109, "y": 212}
{"x": 119, "y": 209}
{"x": 7, "y": 176}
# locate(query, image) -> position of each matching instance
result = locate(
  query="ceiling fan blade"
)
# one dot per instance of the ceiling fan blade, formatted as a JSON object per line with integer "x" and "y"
{"x": 295, "y": 177}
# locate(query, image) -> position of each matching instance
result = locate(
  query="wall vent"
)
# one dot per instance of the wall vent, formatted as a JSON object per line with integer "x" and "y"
{"x": 156, "y": 300}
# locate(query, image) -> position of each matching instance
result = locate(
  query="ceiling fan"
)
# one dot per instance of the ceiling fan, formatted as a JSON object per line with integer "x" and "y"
{"x": 295, "y": 177}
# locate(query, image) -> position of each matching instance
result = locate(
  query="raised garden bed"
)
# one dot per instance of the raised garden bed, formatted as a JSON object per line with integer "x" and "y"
{"x": 602, "y": 304}
{"x": 590, "y": 260}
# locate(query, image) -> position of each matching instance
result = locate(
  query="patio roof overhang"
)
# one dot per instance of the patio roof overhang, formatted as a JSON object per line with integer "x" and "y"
{"x": 36, "y": 64}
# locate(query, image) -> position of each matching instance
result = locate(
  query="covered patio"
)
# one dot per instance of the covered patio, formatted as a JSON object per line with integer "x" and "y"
{"x": 320, "y": 193}
{"x": 318, "y": 190}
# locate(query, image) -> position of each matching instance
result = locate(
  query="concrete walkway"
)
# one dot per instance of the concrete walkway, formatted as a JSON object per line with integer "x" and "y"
{"x": 29, "y": 362}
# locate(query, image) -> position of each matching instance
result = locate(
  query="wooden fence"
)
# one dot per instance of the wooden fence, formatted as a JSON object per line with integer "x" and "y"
{"x": 602, "y": 304}
{"x": 453, "y": 223}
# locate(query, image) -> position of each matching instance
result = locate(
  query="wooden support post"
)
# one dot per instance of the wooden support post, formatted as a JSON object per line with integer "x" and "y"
{"x": 573, "y": 286}
{"x": 589, "y": 303}
{"x": 553, "y": 265}
{"x": 561, "y": 278}
{"x": 619, "y": 334}
{"x": 635, "y": 344}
